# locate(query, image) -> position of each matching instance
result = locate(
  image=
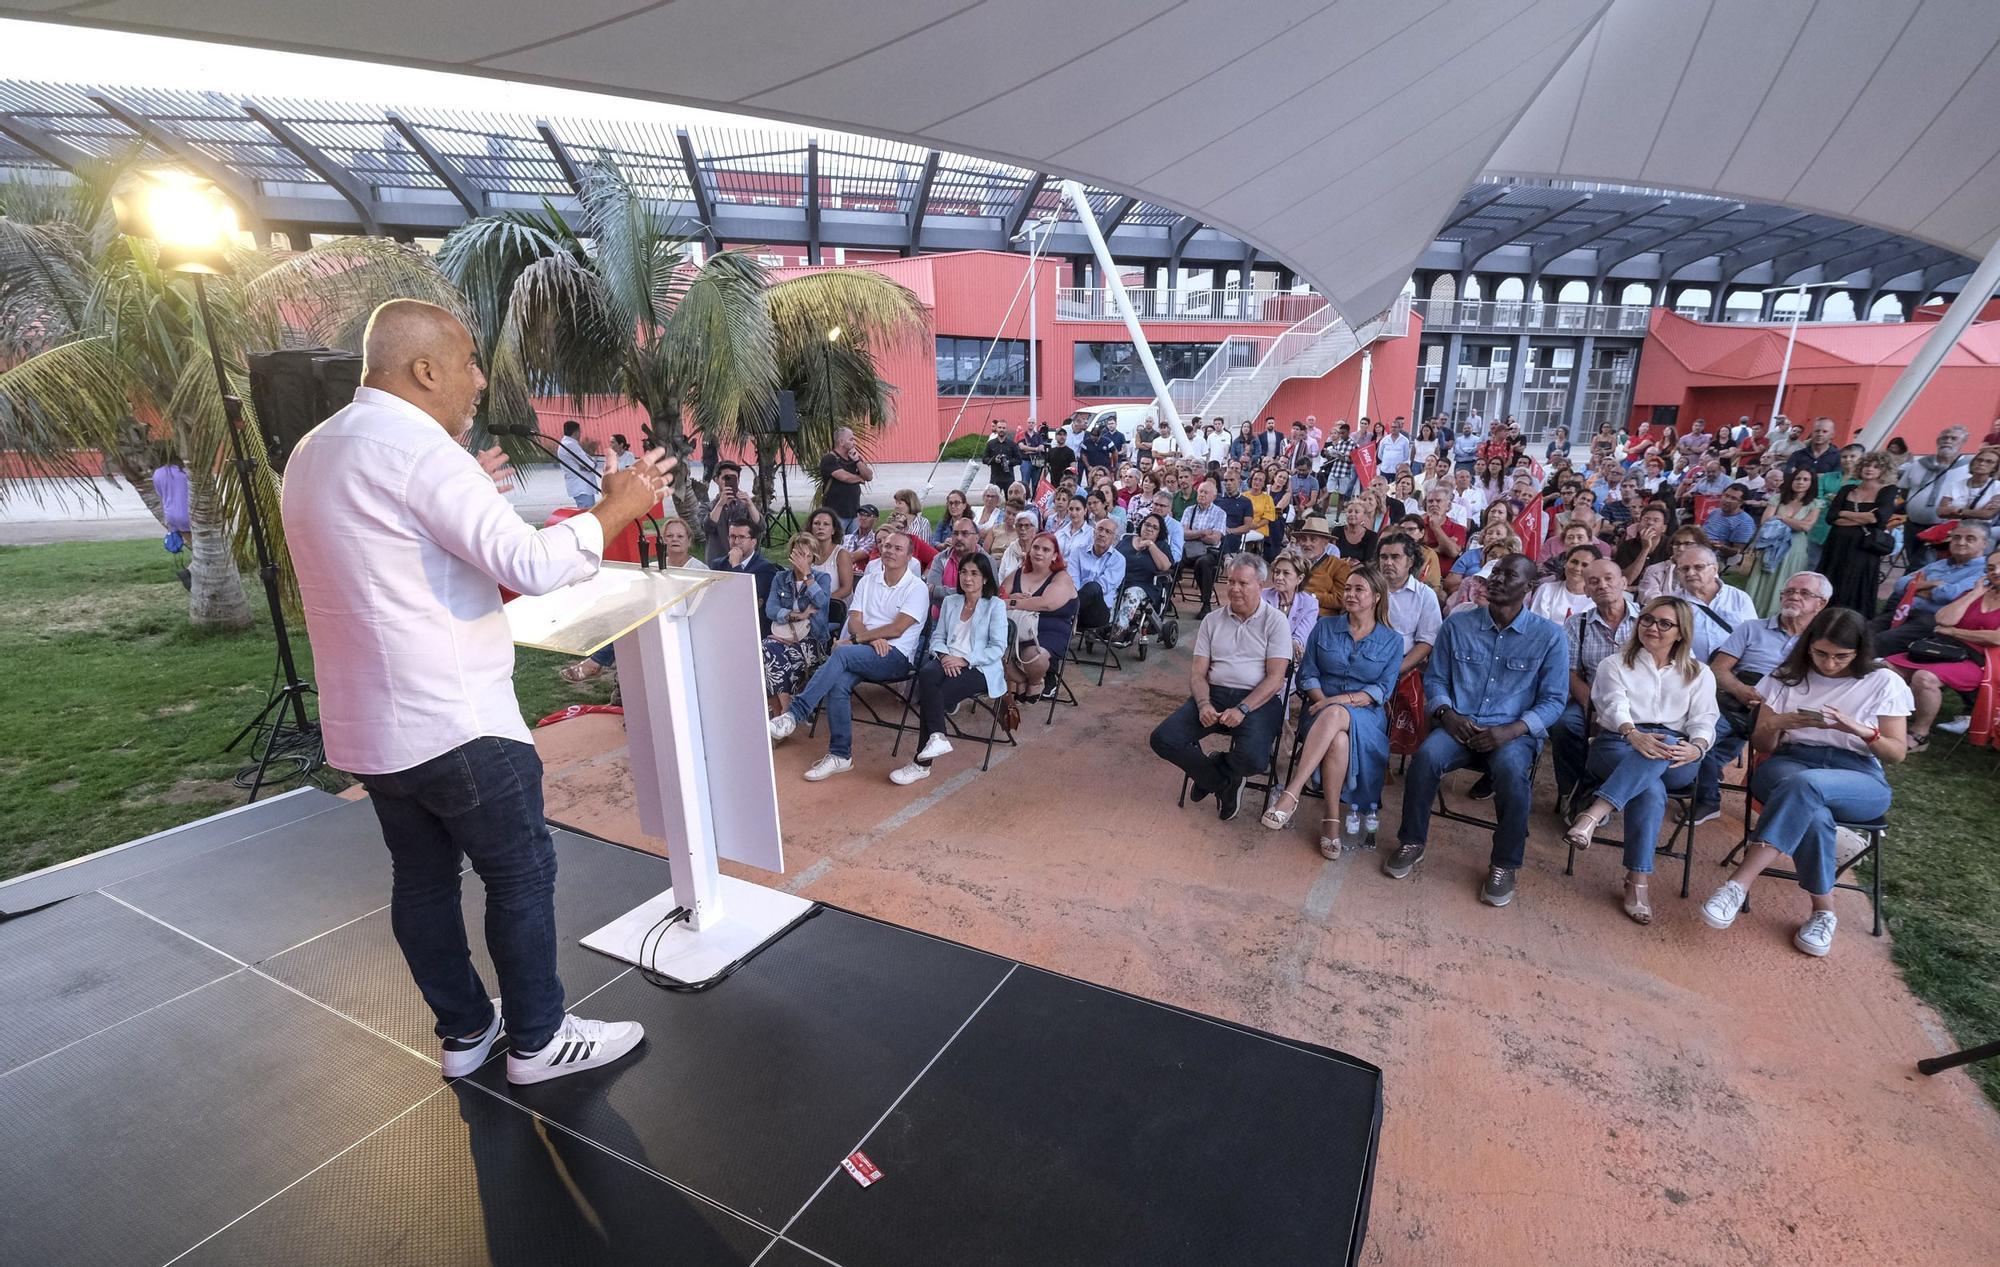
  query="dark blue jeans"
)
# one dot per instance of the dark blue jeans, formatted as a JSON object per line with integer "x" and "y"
{"x": 1178, "y": 739}
{"x": 833, "y": 683}
{"x": 481, "y": 801}
{"x": 1708, "y": 782}
{"x": 1512, "y": 766}
{"x": 1570, "y": 746}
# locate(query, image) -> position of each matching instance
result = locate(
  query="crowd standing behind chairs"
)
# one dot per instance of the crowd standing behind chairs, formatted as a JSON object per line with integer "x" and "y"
{"x": 1438, "y": 590}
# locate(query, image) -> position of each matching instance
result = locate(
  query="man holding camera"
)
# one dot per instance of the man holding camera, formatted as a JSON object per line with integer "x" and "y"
{"x": 731, "y": 506}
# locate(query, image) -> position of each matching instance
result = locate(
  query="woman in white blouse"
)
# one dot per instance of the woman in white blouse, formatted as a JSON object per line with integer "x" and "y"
{"x": 1561, "y": 597}
{"x": 1656, "y": 716}
{"x": 1831, "y": 717}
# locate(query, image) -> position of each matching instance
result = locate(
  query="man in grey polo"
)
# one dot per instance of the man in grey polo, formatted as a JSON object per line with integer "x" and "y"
{"x": 1241, "y": 655}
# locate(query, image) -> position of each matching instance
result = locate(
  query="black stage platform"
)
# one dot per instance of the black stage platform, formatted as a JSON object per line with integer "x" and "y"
{"x": 212, "y": 1054}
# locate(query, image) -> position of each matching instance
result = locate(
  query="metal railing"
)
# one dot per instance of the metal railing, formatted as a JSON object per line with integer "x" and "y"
{"x": 1531, "y": 316}
{"x": 1753, "y": 316}
{"x": 1197, "y": 306}
{"x": 1247, "y": 369}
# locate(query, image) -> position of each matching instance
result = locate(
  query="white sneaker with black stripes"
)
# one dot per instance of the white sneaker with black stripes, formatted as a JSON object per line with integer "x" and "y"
{"x": 578, "y": 1045}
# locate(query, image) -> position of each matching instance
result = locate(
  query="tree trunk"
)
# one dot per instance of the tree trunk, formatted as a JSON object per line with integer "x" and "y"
{"x": 141, "y": 480}
{"x": 215, "y": 592}
{"x": 768, "y": 447}
{"x": 663, "y": 431}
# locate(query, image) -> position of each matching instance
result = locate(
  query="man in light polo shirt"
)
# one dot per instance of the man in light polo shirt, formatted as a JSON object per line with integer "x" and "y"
{"x": 1241, "y": 654}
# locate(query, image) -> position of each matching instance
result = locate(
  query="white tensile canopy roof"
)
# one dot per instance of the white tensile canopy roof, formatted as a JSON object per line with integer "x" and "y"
{"x": 1334, "y": 136}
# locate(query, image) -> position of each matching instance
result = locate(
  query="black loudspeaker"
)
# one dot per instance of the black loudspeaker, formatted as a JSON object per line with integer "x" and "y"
{"x": 787, "y": 415}
{"x": 296, "y": 389}
{"x": 1666, "y": 415}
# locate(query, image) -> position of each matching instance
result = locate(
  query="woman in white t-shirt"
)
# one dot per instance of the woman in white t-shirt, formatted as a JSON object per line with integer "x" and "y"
{"x": 1831, "y": 717}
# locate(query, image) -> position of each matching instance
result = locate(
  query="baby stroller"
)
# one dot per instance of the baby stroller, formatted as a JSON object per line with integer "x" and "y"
{"x": 1150, "y": 615}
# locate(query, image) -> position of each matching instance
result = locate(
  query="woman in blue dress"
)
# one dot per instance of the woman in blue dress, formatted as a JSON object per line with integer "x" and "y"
{"x": 1346, "y": 675}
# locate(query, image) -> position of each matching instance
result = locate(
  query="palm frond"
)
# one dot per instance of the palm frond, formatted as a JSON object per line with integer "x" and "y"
{"x": 866, "y": 306}
{"x": 484, "y": 256}
{"x": 195, "y": 405}
{"x": 45, "y": 283}
{"x": 719, "y": 348}
{"x": 67, "y": 398}
{"x": 325, "y": 296}
{"x": 630, "y": 240}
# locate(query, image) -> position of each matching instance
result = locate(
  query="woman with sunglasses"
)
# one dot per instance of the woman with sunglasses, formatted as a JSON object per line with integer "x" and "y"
{"x": 1656, "y": 714}
{"x": 1831, "y": 717}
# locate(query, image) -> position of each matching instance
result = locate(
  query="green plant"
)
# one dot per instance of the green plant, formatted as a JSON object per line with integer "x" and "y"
{"x": 964, "y": 447}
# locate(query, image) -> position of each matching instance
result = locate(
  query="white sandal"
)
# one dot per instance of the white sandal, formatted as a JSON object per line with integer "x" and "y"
{"x": 1278, "y": 819}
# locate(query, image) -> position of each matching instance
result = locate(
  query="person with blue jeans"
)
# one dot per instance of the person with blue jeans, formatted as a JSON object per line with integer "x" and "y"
{"x": 1494, "y": 685}
{"x": 885, "y": 622}
{"x": 400, "y": 543}
{"x": 1831, "y": 717}
{"x": 1753, "y": 649}
{"x": 1656, "y": 715}
{"x": 1592, "y": 636}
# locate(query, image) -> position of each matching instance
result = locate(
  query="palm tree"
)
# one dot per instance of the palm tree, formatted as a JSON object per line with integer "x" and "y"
{"x": 105, "y": 350}
{"x": 610, "y": 305}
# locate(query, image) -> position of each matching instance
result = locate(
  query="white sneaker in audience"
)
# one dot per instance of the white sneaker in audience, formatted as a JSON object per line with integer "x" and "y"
{"x": 1815, "y": 936}
{"x": 782, "y": 726}
{"x": 828, "y": 766}
{"x": 908, "y": 774}
{"x": 578, "y": 1045}
{"x": 1956, "y": 726}
{"x": 1720, "y": 910}
{"x": 936, "y": 748}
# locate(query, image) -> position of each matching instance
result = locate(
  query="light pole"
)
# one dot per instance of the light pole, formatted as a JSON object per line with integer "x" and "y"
{"x": 193, "y": 226}
{"x": 1791, "y": 336}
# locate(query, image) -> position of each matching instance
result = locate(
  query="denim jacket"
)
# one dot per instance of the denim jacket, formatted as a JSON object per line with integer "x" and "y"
{"x": 787, "y": 596}
{"x": 1336, "y": 663}
{"x": 1496, "y": 675}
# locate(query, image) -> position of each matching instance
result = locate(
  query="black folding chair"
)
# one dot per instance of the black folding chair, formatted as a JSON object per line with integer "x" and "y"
{"x": 996, "y": 733}
{"x": 1055, "y": 687}
{"x": 1679, "y": 812}
{"x": 1873, "y": 831}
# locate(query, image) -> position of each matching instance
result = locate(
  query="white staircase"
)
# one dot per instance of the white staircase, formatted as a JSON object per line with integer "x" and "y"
{"x": 1245, "y": 372}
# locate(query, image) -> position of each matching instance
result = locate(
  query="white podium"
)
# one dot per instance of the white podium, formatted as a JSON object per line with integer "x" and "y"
{"x": 690, "y": 671}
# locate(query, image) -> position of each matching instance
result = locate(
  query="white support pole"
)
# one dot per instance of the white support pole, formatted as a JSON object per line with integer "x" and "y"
{"x": 1917, "y": 374}
{"x": 1785, "y": 366}
{"x": 1034, "y": 287}
{"x": 1367, "y": 365}
{"x": 1116, "y": 288}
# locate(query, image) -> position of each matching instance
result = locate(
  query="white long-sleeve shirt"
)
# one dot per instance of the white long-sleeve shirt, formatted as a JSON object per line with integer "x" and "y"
{"x": 1647, "y": 694}
{"x": 400, "y": 541}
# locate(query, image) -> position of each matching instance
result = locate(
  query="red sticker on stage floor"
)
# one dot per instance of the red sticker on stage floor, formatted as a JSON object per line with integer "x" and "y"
{"x": 864, "y": 1171}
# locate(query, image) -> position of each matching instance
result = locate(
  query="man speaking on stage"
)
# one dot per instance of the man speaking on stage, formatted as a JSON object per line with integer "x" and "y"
{"x": 401, "y": 539}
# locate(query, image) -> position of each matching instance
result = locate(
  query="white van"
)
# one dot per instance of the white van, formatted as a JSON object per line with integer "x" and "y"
{"x": 1124, "y": 417}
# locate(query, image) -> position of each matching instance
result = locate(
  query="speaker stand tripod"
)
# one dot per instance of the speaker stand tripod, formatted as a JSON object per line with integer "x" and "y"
{"x": 783, "y": 515}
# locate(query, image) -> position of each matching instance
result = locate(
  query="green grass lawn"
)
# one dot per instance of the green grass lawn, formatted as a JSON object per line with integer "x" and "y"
{"x": 117, "y": 712}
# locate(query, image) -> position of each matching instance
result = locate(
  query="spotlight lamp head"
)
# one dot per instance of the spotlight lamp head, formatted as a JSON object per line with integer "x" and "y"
{"x": 190, "y": 219}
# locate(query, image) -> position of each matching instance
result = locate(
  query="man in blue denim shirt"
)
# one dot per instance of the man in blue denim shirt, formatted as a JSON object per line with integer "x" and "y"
{"x": 1494, "y": 685}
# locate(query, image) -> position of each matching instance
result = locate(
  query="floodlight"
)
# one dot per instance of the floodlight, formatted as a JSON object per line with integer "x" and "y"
{"x": 190, "y": 219}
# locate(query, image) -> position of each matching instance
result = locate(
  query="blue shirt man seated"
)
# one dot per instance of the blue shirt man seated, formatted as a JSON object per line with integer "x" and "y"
{"x": 1940, "y": 583}
{"x": 1241, "y": 656}
{"x": 1729, "y": 527}
{"x": 1495, "y": 684}
{"x": 1752, "y": 649}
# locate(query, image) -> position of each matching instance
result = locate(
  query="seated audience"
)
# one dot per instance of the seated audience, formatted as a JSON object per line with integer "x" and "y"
{"x": 992, "y": 512}
{"x": 1300, "y": 609}
{"x": 1098, "y": 572}
{"x": 1356, "y": 539}
{"x": 1326, "y": 571}
{"x": 1413, "y": 606}
{"x": 796, "y": 614}
{"x": 1042, "y": 603}
{"x": 1937, "y": 585}
{"x": 1746, "y": 656}
{"x": 1015, "y": 552}
{"x": 1832, "y": 716}
{"x": 1241, "y": 656}
{"x": 1970, "y": 624}
{"x": 1203, "y": 524}
{"x": 1149, "y": 573}
{"x": 1655, "y": 717}
{"x": 1346, "y": 675}
{"x": 1658, "y": 578}
{"x": 1729, "y": 528}
{"x": 743, "y": 556}
{"x": 1591, "y": 636}
{"x": 1565, "y": 596}
{"x": 884, "y": 624}
{"x": 960, "y": 662}
{"x": 961, "y": 543}
{"x": 1494, "y": 686}
{"x": 860, "y": 543}
{"x": 1718, "y": 607}
{"x": 956, "y": 507}
{"x": 676, "y": 544}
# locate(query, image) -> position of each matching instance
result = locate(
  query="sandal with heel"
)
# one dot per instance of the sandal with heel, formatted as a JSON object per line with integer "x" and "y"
{"x": 1637, "y": 906}
{"x": 1329, "y": 846}
{"x": 1278, "y": 819}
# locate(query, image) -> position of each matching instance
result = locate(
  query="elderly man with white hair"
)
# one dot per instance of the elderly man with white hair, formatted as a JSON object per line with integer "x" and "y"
{"x": 1718, "y": 608}
{"x": 1926, "y": 481}
{"x": 1242, "y": 652}
{"x": 1752, "y": 649}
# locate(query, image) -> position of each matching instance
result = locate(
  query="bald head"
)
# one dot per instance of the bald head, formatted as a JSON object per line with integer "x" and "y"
{"x": 425, "y": 355}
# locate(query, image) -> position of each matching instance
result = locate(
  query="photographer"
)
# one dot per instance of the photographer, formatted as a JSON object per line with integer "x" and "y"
{"x": 731, "y": 506}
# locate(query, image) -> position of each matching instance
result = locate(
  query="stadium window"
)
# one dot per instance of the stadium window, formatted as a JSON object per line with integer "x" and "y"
{"x": 958, "y": 359}
{"x": 1114, "y": 369}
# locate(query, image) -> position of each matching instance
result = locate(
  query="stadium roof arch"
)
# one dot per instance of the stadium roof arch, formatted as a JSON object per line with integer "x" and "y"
{"x": 1336, "y": 137}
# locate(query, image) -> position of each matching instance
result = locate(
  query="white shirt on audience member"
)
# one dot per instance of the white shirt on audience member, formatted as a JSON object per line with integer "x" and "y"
{"x": 1865, "y": 699}
{"x": 400, "y": 541}
{"x": 1414, "y": 613}
{"x": 1645, "y": 693}
{"x": 880, "y": 602}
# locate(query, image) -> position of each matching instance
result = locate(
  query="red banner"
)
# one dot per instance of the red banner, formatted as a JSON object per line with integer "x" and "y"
{"x": 1532, "y": 527}
{"x": 1366, "y": 465}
